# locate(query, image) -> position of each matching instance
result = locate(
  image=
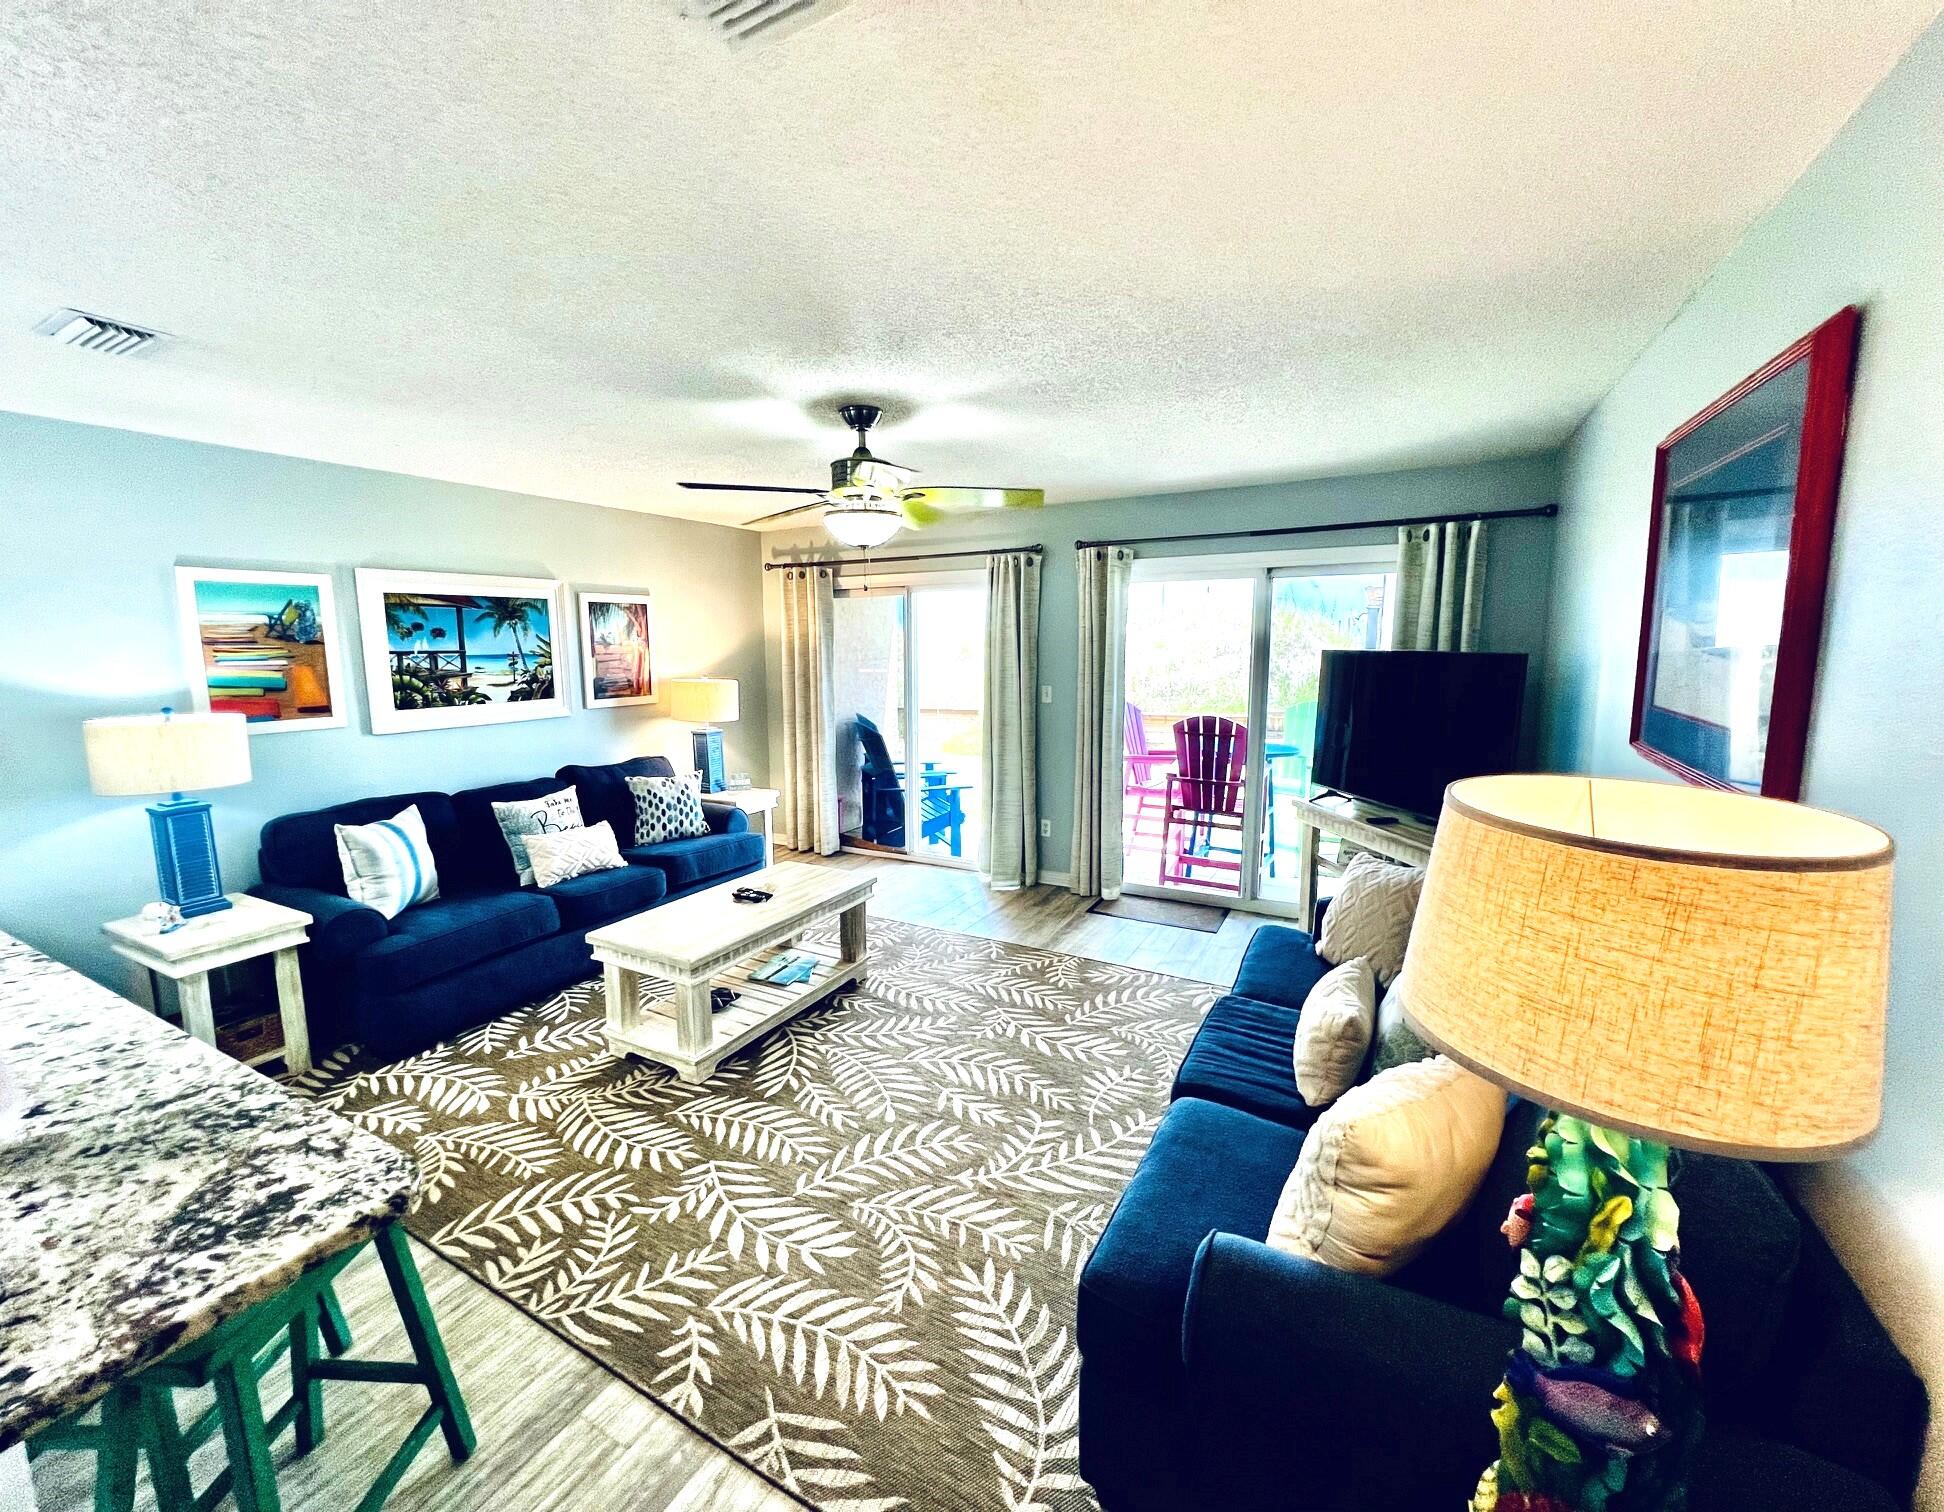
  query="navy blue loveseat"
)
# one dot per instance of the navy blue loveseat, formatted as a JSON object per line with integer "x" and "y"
{"x": 485, "y": 944}
{"x": 1217, "y": 1372}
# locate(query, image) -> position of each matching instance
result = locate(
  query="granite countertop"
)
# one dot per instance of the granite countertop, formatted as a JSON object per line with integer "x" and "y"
{"x": 150, "y": 1188}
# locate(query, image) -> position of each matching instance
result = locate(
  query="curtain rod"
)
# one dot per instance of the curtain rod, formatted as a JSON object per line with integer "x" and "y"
{"x": 919, "y": 556}
{"x": 1541, "y": 511}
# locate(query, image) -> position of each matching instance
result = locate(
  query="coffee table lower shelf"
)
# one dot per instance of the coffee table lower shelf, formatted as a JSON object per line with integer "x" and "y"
{"x": 650, "y": 1017}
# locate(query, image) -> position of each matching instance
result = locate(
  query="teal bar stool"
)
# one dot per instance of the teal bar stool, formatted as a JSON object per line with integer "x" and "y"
{"x": 140, "y": 1416}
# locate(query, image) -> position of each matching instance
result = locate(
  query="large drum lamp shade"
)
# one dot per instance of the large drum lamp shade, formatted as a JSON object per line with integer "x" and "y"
{"x": 1702, "y": 968}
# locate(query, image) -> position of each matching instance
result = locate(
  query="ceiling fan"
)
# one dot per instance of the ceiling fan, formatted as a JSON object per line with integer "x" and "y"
{"x": 870, "y": 500}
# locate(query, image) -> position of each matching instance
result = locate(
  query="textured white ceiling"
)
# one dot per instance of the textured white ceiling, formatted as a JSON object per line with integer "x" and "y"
{"x": 583, "y": 249}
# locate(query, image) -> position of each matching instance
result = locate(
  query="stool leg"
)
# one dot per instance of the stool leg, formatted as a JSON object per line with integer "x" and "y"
{"x": 306, "y": 1389}
{"x": 337, "y": 1331}
{"x": 168, "y": 1452}
{"x": 120, "y": 1444}
{"x": 254, "y": 1474}
{"x": 414, "y": 1312}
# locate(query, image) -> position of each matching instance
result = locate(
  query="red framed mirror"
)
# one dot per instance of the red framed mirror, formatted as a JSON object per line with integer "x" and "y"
{"x": 1737, "y": 571}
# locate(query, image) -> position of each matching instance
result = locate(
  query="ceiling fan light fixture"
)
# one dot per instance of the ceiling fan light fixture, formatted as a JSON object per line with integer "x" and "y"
{"x": 862, "y": 525}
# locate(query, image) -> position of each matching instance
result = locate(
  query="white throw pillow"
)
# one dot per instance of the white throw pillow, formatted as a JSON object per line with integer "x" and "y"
{"x": 573, "y": 853}
{"x": 1333, "y": 1031}
{"x": 666, "y": 808}
{"x": 1388, "y": 1166}
{"x": 522, "y": 817}
{"x": 388, "y": 865}
{"x": 1370, "y": 916}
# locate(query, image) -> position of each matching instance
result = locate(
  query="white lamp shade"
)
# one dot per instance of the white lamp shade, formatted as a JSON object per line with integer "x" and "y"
{"x": 704, "y": 700}
{"x": 135, "y": 754}
{"x": 1700, "y": 967}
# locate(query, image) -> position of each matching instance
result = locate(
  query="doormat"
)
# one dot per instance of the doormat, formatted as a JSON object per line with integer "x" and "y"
{"x": 1203, "y": 918}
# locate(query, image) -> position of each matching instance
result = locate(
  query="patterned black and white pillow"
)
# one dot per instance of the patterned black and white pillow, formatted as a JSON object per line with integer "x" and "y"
{"x": 666, "y": 808}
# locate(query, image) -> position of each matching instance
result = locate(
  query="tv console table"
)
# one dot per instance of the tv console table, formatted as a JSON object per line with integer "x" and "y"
{"x": 1369, "y": 826}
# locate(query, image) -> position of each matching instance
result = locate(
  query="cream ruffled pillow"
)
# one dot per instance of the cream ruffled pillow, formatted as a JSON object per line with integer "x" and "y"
{"x": 1370, "y": 916}
{"x": 1333, "y": 1031}
{"x": 1388, "y": 1166}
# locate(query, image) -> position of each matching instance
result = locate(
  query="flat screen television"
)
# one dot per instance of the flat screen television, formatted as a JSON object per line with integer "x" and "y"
{"x": 1394, "y": 727}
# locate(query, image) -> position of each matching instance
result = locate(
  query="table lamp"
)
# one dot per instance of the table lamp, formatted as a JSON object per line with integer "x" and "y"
{"x": 705, "y": 702}
{"x": 172, "y": 753}
{"x": 1661, "y": 966}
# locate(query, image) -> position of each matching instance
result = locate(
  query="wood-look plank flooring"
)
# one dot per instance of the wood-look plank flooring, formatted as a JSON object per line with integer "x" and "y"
{"x": 555, "y": 1429}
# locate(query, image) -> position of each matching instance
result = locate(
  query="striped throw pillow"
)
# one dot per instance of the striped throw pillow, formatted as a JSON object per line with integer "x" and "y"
{"x": 388, "y": 865}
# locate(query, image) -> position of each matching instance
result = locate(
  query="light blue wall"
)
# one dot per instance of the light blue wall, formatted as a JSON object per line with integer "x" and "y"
{"x": 1864, "y": 225}
{"x": 1518, "y": 576}
{"x": 92, "y": 525}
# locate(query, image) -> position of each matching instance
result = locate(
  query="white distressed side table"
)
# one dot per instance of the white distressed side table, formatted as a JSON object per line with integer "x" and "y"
{"x": 186, "y": 956}
{"x": 709, "y": 940}
{"x": 755, "y": 802}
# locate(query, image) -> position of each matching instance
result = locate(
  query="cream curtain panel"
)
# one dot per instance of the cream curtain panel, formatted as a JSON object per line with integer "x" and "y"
{"x": 808, "y": 806}
{"x": 1440, "y": 586}
{"x": 1097, "y": 864}
{"x": 1009, "y": 763}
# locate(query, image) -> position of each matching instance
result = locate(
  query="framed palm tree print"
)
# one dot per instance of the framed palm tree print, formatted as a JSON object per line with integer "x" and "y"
{"x": 617, "y": 650}
{"x": 447, "y": 649}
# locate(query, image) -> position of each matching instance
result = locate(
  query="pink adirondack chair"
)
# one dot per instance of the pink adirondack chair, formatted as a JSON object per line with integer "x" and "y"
{"x": 1204, "y": 797}
{"x": 1142, "y": 762}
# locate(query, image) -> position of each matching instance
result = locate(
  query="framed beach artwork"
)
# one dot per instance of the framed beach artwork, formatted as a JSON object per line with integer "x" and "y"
{"x": 263, "y": 645}
{"x": 617, "y": 650}
{"x": 445, "y": 649}
{"x": 1738, "y": 552}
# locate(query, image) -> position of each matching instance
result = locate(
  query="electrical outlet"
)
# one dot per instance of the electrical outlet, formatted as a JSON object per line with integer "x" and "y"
{"x": 1046, "y": 692}
{"x": 1046, "y": 829}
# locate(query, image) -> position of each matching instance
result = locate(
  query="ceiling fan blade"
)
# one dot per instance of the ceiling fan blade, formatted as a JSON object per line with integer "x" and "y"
{"x": 748, "y": 488}
{"x": 927, "y": 506}
{"x": 783, "y": 514}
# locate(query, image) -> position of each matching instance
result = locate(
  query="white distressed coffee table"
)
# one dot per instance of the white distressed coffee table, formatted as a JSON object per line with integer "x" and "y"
{"x": 709, "y": 940}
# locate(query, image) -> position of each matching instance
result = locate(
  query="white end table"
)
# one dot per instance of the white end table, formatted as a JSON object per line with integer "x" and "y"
{"x": 186, "y": 956}
{"x": 755, "y": 802}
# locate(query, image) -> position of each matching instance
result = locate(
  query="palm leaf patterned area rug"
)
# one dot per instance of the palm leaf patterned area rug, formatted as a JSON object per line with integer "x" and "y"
{"x": 848, "y": 1258}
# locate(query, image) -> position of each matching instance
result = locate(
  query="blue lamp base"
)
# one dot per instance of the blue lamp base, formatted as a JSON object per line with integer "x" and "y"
{"x": 185, "y": 856}
{"x": 706, "y": 746}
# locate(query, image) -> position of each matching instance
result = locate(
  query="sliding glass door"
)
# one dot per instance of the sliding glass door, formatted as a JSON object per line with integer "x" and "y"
{"x": 1311, "y": 610}
{"x": 1223, "y": 655}
{"x": 1185, "y": 774}
{"x": 910, "y": 689}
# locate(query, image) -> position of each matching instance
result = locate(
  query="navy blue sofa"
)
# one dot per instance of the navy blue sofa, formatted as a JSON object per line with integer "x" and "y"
{"x": 485, "y": 945}
{"x": 1218, "y": 1372}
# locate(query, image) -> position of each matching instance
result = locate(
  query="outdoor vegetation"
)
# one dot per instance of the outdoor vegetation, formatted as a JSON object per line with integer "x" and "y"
{"x": 1188, "y": 642}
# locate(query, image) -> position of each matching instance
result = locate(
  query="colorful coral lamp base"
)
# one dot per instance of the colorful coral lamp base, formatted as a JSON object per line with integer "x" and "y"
{"x": 1600, "y": 1407}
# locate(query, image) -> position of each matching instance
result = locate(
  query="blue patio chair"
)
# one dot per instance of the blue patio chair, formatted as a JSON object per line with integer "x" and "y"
{"x": 940, "y": 800}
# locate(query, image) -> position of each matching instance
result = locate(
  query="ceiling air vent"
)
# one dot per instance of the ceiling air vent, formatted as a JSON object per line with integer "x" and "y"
{"x": 78, "y": 328}
{"x": 748, "y": 23}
